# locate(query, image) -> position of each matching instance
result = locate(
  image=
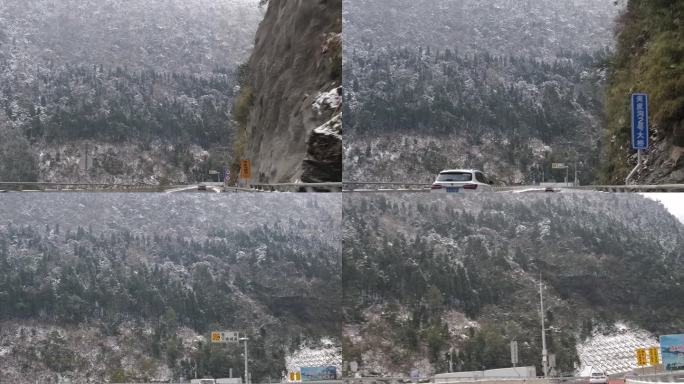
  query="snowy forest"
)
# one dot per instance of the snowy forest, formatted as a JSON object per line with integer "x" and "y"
{"x": 508, "y": 87}
{"x": 128, "y": 287}
{"x": 147, "y": 86}
{"x": 431, "y": 273}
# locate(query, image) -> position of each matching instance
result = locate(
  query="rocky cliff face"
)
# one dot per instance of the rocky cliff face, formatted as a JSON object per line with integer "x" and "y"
{"x": 648, "y": 60}
{"x": 294, "y": 131}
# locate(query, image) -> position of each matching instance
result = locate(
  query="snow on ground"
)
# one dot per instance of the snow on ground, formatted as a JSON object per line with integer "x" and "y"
{"x": 614, "y": 352}
{"x": 328, "y": 100}
{"x": 327, "y": 354}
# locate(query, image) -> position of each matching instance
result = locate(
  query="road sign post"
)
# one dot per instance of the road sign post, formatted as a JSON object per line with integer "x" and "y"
{"x": 545, "y": 361}
{"x": 654, "y": 358}
{"x": 639, "y": 121}
{"x": 514, "y": 352}
{"x": 246, "y": 366}
{"x": 639, "y": 126}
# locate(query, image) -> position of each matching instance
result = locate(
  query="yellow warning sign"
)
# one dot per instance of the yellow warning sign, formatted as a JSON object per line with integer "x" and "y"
{"x": 292, "y": 376}
{"x": 216, "y": 337}
{"x": 654, "y": 356}
{"x": 641, "y": 356}
{"x": 245, "y": 169}
{"x": 298, "y": 376}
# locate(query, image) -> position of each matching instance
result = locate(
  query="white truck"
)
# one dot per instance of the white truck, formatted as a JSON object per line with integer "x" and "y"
{"x": 234, "y": 380}
{"x": 513, "y": 372}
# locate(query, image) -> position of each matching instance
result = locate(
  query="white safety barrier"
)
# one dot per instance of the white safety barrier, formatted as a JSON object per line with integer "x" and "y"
{"x": 665, "y": 377}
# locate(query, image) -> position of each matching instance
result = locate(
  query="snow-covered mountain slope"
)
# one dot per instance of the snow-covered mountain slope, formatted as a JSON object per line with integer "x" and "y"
{"x": 502, "y": 78}
{"x": 124, "y": 75}
{"x": 425, "y": 273}
{"x": 127, "y": 287}
{"x": 534, "y": 28}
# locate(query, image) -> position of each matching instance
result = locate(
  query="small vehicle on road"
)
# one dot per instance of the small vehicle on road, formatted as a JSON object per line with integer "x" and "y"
{"x": 461, "y": 180}
{"x": 598, "y": 378}
{"x": 202, "y": 187}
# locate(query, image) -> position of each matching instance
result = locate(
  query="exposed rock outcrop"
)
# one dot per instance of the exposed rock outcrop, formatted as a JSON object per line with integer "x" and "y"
{"x": 294, "y": 131}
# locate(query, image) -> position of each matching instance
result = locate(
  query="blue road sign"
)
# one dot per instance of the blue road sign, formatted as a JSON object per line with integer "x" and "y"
{"x": 639, "y": 121}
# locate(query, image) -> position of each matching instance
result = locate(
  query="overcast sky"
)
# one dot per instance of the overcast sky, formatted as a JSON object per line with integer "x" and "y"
{"x": 674, "y": 202}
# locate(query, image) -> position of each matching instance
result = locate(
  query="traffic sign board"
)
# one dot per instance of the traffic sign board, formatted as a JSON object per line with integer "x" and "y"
{"x": 654, "y": 356}
{"x": 641, "y": 356}
{"x": 245, "y": 169}
{"x": 216, "y": 337}
{"x": 225, "y": 337}
{"x": 639, "y": 121}
{"x": 225, "y": 175}
{"x": 558, "y": 166}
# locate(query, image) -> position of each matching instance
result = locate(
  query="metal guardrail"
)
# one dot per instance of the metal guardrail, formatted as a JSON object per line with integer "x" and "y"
{"x": 67, "y": 187}
{"x": 634, "y": 188}
{"x": 298, "y": 187}
{"x": 363, "y": 186}
{"x": 379, "y": 380}
{"x": 273, "y": 382}
{"x": 360, "y": 186}
{"x": 371, "y": 186}
{"x": 454, "y": 380}
{"x": 664, "y": 377}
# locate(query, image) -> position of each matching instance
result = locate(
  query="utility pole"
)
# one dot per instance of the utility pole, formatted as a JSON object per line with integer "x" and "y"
{"x": 544, "y": 352}
{"x": 246, "y": 366}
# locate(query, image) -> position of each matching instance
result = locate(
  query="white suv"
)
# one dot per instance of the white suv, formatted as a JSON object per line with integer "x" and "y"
{"x": 461, "y": 180}
{"x": 598, "y": 378}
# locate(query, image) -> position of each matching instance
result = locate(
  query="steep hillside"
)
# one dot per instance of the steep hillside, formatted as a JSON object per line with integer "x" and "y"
{"x": 510, "y": 87}
{"x": 289, "y": 110}
{"x": 424, "y": 274}
{"x": 116, "y": 91}
{"x": 128, "y": 287}
{"x": 649, "y": 58}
